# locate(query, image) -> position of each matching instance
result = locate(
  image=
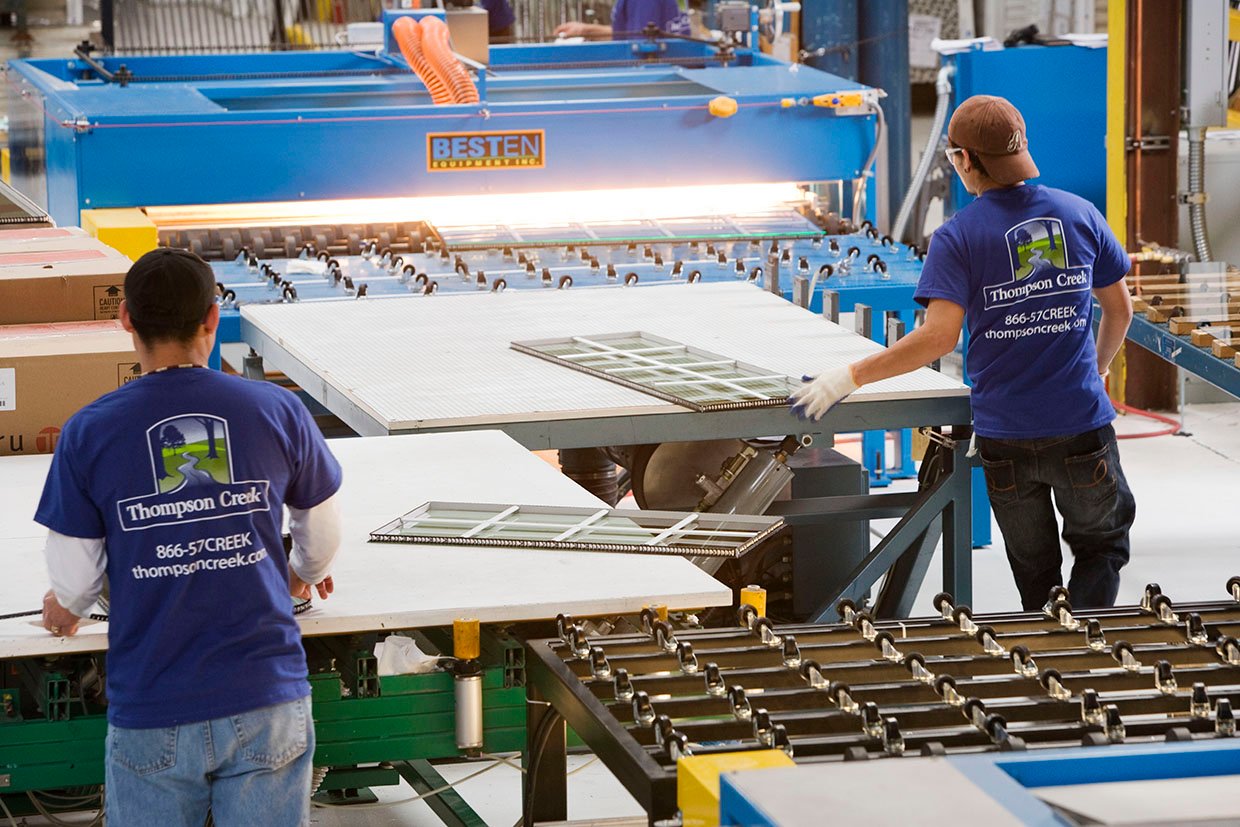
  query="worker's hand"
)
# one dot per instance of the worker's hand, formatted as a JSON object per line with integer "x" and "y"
{"x": 56, "y": 618}
{"x": 822, "y": 393}
{"x": 302, "y": 590}
{"x": 572, "y": 28}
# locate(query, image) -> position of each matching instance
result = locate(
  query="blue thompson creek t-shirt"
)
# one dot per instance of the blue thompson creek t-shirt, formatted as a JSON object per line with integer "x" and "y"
{"x": 629, "y": 17}
{"x": 185, "y": 473}
{"x": 1022, "y": 261}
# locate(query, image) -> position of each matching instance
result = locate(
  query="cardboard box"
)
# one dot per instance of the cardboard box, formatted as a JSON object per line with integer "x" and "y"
{"x": 58, "y": 275}
{"x": 50, "y": 371}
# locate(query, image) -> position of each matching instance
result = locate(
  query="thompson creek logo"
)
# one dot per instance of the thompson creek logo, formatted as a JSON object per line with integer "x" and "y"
{"x": 192, "y": 476}
{"x": 1038, "y": 255}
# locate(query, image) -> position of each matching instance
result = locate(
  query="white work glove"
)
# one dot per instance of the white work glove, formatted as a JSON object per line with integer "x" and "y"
{"x": 822, "y": 393}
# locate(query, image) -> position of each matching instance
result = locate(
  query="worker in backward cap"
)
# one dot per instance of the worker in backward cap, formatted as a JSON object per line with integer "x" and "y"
{"x": 1021, "y": 264}
{"x": 174, "y": 486}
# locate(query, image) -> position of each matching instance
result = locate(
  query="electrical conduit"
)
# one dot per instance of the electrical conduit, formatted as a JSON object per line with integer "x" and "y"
{"x": 409, "y": 37}
{"x": 1197, "y": 193}
{"x": 943, "y": 88}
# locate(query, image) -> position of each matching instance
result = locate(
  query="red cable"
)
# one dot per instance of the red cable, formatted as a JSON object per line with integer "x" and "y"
{"x": 1174, "y": 429}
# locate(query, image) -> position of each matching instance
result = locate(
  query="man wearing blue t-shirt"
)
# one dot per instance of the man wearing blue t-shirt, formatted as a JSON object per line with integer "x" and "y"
{"x": 1021, "y": 264}
{"x": 174, "y": 487}
{"x": 629, "y": 19}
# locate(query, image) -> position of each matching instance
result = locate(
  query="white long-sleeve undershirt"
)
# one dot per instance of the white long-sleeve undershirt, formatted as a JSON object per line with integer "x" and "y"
{"x": 76, "y": 565}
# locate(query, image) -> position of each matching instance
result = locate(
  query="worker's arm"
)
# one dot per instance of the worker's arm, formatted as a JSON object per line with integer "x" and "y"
{"x": 316, "y": 539}
{"x": 591, "y": 31}
{"x": 75, "y": 568}
{"x": 1116, "y": 307}
{"x": 936, "y": 336}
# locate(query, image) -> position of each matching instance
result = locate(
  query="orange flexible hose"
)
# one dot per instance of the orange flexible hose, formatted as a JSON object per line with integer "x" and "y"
{"x": 409, "y": 37}
{"x": 435, "y": 42}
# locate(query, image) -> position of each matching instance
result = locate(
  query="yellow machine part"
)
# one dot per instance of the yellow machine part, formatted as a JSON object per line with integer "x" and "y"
{"x": 466, "y": 639}
{"x": 697, "y": 780}
{"x": 754, "y": 596}
{"x": 6, "y": 168}
{"x": 128, "y": 231}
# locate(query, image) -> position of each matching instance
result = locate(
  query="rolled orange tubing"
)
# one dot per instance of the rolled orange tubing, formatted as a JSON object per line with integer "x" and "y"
{"x": 409, "y": 37}
{"x": 438, "y": 49}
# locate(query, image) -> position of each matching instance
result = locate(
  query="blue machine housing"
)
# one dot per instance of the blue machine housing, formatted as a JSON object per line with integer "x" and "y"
{"x": 218, "y": 129}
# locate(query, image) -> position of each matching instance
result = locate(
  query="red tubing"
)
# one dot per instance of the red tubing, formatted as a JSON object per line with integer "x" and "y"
{"x": 437, "y": 46}
{"x": 1174, "y": 429}
{"x": 409, "y": 37}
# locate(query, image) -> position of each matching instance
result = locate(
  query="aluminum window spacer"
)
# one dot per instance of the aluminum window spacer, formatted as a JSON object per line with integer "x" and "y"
{"x": 839, "y": 692}
{"x": 1095, "y": 638}
{"x": 1164, "y": 678}
{"x": 995, "y": 726}
{"x": 812, "y": 672}
{"x": 739, "y": 703}
{"x": 684, "y": 654}
{"x": 715, "y": 687}
{"x": 915, "y": 662}
{"x": 1091, "y": 707}
{"x": 932, "y": 434}
{"x": 780, "y": 739}
{"x": 1199, "y": 703}
{"x": 1233, "y": 588}
{"x": 1124, "y": 655}
{"x": 1023, "y": 663}
{"x": 990, "y": 644}
{"x": 563, "y": 626}
{"x": 643, "y": 709}
{"x": 886, "y": 644}
{"x": 1224, "y": 719}
{"x": 599, "y": 666}
{"x": 791, "y": 652}
{"x": 1053, "y": 683}
{"x": 622, "y": 686}
{"x": 872, "y": 720}
{"x": 746, "y": 616}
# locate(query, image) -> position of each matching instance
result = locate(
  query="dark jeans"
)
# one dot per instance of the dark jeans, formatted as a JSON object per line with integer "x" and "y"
{"x": 1092, "y": 496}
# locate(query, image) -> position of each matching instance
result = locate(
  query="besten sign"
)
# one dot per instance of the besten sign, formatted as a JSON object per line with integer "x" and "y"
{"x": 465, "y": 151}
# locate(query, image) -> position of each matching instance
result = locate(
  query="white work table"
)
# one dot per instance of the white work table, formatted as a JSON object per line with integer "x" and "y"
{"x": 435, "y": 363}
{"x": 396, "y": 586}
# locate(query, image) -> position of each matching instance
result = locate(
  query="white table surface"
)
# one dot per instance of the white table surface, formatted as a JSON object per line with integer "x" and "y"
{"x": 397, "y": 586}
{"x": 889, "y": 792}
{"x": 442, "y": 361}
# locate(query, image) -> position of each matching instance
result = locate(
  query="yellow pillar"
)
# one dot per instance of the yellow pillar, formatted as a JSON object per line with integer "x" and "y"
{"x": 1117, "y": 153}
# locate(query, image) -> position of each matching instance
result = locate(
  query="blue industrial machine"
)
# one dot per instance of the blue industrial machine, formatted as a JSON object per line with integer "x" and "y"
{"x": 254, "y": 159}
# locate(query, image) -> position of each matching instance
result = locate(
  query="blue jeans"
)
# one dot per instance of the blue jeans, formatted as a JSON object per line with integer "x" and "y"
{"x": 1092, "y": 496}
{"x": 252, "y": 768}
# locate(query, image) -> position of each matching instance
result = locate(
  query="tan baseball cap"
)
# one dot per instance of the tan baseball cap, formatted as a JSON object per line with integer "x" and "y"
{"x": 995, "y": 130}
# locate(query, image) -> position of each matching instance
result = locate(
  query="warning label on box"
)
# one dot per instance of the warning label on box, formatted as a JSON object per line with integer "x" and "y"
{"x": 8, "y": 389}
{"x": 108, "y": 301}
{"x": 126, "y": 372}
